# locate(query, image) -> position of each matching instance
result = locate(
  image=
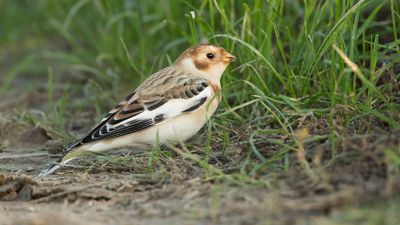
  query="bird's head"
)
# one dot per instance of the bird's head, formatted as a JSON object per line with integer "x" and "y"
{"x": 207, "y": 60}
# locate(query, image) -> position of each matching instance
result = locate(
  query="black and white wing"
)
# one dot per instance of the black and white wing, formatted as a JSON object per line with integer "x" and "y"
{"x": 140, "y": 111}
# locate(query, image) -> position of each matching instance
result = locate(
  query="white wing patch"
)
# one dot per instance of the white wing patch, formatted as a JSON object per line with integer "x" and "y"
{"x": 172, "y": 108}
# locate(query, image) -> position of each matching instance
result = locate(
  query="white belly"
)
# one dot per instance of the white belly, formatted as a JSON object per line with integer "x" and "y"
{"x": 177, "y": 129}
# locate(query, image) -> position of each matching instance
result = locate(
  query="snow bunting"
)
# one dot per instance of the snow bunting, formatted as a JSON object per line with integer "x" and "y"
{"x": 169, "y": 106}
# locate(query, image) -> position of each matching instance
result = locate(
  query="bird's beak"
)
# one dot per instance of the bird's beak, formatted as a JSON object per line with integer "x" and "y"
{"x": 229, "y": 58}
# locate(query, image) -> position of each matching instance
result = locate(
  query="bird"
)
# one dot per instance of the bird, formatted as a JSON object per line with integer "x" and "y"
{"x": 171, "y": 105}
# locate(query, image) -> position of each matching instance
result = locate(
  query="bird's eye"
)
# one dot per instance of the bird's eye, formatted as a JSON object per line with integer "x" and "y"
{"x": 210, "y": 55}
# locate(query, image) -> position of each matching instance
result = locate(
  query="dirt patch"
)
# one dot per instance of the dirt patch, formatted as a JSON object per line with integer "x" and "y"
{"x": 17, "y": 135}
{"x": 119, "y": 193}
{"x": 115, "y": 198}
{"x": 16, "y": 188}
